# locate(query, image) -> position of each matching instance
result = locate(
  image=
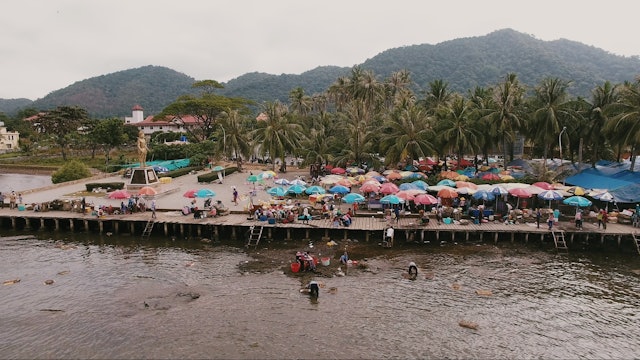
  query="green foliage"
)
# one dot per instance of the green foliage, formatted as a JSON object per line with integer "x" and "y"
{"x": 72, "y": 170}
{"x": 183, "y": 171}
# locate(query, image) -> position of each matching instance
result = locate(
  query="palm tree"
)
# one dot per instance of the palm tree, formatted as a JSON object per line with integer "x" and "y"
{"x": 278, "y": 134}
{"x": 236, "y": 137}
{"x": 356, "y": 132}
{"x": 628, "y": 119}
{"x": 551, "y": 110}
{"x": 299, "y": 102}
{"x": 505, "y": 116}
{"x": 456, "y": 128}
{"x": 407, "y": 135}
{"x": 602, "y": 97}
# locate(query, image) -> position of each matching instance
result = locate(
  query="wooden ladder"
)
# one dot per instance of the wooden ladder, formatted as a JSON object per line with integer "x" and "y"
{"x": 636, "y": 239}
{"x": 559, "y": 240}
{"x": 148, "y": 228}
{"x": 255, "y": 233}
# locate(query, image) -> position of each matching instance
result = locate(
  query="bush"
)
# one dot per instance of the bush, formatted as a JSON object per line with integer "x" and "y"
{"x": 73, "y": 170}
{"x": 213, "y": 175}
{"x": 182, "y": 171}
{"x": 107, "y": 185}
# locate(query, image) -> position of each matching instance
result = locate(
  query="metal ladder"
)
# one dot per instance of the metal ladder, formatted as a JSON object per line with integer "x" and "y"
{"x": 559, "y": 240}
{"x": 148, "y": 228}
{"x": 636, "y": 239}
{"x": 255, "y": 233}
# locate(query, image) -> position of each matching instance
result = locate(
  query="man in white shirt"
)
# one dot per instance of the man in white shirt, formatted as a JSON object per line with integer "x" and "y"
{"x": 388, "y": 239}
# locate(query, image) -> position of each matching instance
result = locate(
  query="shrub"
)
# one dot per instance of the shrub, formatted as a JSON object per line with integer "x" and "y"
{"x": 73, "y": 170}
{"x": 107, "y": 185}
{"x": 213, "y": 175}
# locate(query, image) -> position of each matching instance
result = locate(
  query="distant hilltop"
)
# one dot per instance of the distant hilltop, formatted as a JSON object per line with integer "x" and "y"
{"x": 463, "y": 63}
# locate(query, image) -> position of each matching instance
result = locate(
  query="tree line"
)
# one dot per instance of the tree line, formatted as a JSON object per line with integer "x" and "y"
{"x": 362, "y": 118}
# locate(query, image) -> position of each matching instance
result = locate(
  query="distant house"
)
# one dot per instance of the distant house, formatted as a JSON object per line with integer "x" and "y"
{"x": 8, "y": 139}
{"x": 152, "y": 124}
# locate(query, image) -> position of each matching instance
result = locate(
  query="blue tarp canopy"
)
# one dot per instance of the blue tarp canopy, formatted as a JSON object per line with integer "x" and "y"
{"x": 627, "y": 194}
{"x": 605, "y": 178}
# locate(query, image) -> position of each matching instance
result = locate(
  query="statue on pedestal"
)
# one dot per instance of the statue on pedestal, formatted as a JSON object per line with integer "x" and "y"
{"x": 142, "y": 149}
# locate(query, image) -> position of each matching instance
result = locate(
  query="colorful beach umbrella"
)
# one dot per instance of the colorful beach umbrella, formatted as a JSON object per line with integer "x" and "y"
{"x": 391, "y": 199}
{"x": 389, "y": 188}
{"x": 446, "y": 182}
{"x": 277, "y": 191}
{"x": 351, "y": 198}
{"x": 147, "y": 191}
{"x": 296, "y": 189}
{"x": 577, "y": 200}
{"x": 190, "y": 193}
{"x": 315, "y": 189}
{"x": 421, "y": 184}
{"x": 204, "y": 193}
{"x": 425, "y": 199}
{"x": 339, "y": 189}
{"x": 119, "y": 194}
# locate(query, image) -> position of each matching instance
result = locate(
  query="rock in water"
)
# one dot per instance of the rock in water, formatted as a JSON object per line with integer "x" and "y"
{"x": 11, "y": 282}
{"x": 468, "y": 324}
{"x": 48, "y": 282}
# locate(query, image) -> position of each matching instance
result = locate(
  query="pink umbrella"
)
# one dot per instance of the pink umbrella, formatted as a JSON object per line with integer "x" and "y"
{"x": 543, "y": 185}
{"x": 466, "y": 184}
{"x": 338, "y": 171}
{"x": 147, "y": 190}
{"x": 389, "y": 188}
{"x": 370, "y": 187}
{"x": 425, "y": 199}
{"x": 490, "y": 176}
{"x": 119, "y": 194}
{"x": 405, "y": 195}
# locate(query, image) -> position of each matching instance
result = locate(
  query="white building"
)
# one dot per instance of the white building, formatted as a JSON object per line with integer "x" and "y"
{"x": 8, "y": 139}
{"x": 152, "y": 124}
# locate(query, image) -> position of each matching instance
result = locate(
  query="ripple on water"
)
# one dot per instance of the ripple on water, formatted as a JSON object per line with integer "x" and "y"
{"x": 121, "y": 300}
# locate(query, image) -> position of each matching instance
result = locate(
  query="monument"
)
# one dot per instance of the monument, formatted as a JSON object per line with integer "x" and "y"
{"x": 142, "y": 175}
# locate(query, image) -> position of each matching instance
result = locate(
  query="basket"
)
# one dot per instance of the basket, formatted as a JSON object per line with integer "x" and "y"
{"x": 326, "y": 261}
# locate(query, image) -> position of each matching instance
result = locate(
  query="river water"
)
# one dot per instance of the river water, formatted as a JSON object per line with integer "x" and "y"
{"x": 113, "y": 298}
{"x": 21, "y": 182}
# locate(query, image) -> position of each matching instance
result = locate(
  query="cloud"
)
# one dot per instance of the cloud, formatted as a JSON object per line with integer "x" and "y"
{"x": 51, "y": 44}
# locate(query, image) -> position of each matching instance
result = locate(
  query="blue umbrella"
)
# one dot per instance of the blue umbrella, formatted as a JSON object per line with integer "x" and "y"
{"x": 204, "y": 193}
{"x": 550, "y": 195}
{"x": 391, "y": 199}
{"x": 315, "y": 189}
{"x": 577, "y": 200}
{"x": 421, "y": 184}
{"x": 484, "y": 195}
{"x": 351, "y": 198}
{"x": 446, "y": 182}
{"x": 408, "y": 186}
{"x": 277, "y": 191}
{"x": 499, "y": 190}
{"x": 339, "y": 189}
{"x": 296, "y": 189}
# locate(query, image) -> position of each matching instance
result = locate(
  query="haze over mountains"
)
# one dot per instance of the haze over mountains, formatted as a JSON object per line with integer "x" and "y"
{"x": 463, "y": 63}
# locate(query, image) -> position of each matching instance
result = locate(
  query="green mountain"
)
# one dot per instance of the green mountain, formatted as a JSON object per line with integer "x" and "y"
{"x": 463, "y": 63}
{"x": 153, "y": 87}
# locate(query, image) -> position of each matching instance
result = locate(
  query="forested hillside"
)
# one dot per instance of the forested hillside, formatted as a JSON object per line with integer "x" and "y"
{"x": 463, "y": 63}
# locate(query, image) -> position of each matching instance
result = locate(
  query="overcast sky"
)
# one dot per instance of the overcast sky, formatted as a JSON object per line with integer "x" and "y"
{"x": 50, "y": 44}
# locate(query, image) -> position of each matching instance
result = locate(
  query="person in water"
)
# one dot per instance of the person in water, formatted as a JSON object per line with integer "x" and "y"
{"x": 413, "y": 271}
{"x": 314, "y": 289}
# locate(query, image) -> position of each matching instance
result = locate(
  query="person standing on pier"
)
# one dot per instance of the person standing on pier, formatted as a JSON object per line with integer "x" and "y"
{"x": 153, "y": 208}
{"x": 550, "y": 220}
{"x": 538, "y": 217}
{"x": 1, "y": 200}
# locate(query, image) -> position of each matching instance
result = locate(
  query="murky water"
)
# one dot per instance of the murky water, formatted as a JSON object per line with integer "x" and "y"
{"x": 114, "y": 299}
{"x": 21, "y": 182}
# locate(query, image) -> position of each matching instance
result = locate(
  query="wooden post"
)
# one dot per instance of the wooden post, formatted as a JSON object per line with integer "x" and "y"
{"x": 86, "y": 225}
{"x": 57, "y": 223}
{"x": 166, "y": 229}
{"x": 100, "y": 226}
{"x": 116, "y": 227}
{"x": 71, "y": 224}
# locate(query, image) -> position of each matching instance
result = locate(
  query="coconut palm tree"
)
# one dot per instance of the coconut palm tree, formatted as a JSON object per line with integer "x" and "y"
{"x": 236, "y": 137}
{"x": 278, "y": 134}
{"x": 456, "y": 128}
{"x": 597, "y": 115}
{"x": 505, "y": 116}
{"x": 627, "y": 122}
{"x": 552, "y": 109}
{"x": 407, "y": 135}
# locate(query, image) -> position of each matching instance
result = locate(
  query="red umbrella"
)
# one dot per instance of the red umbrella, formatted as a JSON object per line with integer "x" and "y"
{"x": 490, "y": 176}
{"x": 394, "y": 176}
{"x": 405, "y": 195}
{"x": 466, "y": 184}
{"x": 447, "y": 193}
{"x": 389, "y": 188}
{"x": 338, "y": 170}
{"x": 190, "y": 193}
{"x": 119, "y": 194}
